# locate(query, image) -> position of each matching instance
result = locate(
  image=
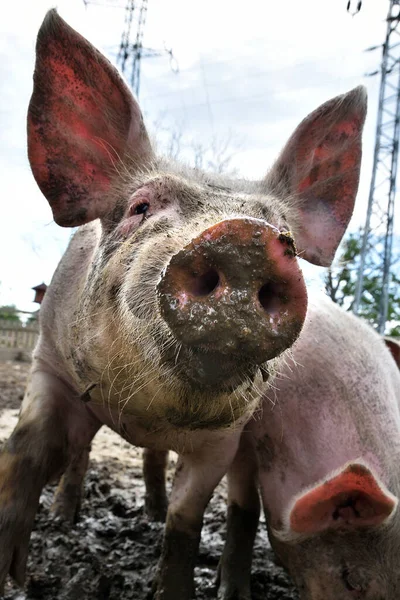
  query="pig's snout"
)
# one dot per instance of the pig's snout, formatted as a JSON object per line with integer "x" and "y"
{"x": 236, "y": 289}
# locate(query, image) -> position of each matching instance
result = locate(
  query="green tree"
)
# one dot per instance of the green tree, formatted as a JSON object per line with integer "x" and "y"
{"x": 9, "y": 313}
{"x": 341, "y": 281}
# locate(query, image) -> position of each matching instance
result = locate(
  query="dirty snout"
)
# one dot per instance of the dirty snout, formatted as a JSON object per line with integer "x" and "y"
{"x": 234, "y": 296}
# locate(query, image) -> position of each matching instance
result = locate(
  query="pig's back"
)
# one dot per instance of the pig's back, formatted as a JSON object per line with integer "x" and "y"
{"x": 336, "y": 345}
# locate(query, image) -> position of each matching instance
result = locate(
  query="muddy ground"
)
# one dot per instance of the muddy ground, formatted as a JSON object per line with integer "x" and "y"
{"x": 112, "y": 552}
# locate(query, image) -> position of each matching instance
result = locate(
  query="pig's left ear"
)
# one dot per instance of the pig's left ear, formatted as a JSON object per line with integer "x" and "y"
{"x": 84, "y": 125}
{"x": 320, "y": 168}
{"x": 351, "y": 499}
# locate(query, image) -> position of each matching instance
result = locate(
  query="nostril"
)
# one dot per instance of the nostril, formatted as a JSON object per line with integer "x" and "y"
{"x": 203, "y": 285}
{"x": 271, "y": 297}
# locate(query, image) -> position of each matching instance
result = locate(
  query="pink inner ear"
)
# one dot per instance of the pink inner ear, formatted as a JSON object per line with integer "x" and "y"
{"x": 326, "y": 163}
{"x": 329, "y": 183}
{"x": 329, "y": 158}
{"x": 82, "y": 121}
{"x": 354, "y": 498}
{"x": 320, "y": 166}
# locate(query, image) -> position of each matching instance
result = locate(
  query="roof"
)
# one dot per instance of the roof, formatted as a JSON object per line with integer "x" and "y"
{"x": 41, "y": 286}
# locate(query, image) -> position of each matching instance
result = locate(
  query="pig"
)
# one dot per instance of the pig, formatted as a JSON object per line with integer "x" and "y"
{"x": 325, "y": 453}
{"x": 175, "y": 302}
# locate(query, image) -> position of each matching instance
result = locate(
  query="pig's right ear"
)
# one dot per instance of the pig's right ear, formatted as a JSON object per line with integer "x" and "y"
{"x": 319, "y": 170}
{"x": 83, "y": 123}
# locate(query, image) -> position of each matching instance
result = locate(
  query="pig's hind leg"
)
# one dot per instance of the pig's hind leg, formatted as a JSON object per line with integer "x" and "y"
{"x": 53, "y": 422}
{"x": 243, "y": 513}
{"x": 68, "y": 496}
{"x": 154, "y": 467}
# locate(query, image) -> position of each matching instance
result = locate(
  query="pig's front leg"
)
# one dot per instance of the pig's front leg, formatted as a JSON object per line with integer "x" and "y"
{"x": 243, "y": 513}
{"x": 197, "y": 475}
{"x": 51, "y": 422}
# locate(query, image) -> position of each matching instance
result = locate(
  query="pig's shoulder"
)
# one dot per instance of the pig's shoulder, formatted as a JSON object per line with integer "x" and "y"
{"x": 69, "y": 279}
{"x": 77, "y": 257}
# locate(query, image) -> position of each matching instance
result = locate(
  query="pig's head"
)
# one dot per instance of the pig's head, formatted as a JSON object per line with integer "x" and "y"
{"x": 194, "y": 289}
{"x": 341, "y": 539}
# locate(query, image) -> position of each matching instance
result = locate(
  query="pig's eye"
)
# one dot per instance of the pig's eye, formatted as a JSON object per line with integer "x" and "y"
{"x": 140, "y": 209}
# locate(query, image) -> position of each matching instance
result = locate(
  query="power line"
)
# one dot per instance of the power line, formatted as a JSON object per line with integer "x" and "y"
{"x": 379, "y": 225}
{"x": 249, "y": 98}
{"x": 130, "y": 53}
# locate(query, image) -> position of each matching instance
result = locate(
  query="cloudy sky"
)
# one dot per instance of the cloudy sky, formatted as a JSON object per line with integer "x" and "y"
{"x": 248, "y": 72}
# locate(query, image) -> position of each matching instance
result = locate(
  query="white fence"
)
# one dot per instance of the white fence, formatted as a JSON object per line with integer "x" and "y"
{"x": 17, "y": 340}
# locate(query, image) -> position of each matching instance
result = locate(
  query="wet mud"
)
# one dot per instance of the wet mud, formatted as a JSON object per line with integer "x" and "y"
{"x": 112, "y": 551}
